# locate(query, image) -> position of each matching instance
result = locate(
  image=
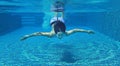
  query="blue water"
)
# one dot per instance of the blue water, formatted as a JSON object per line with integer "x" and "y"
{"x": 21, "y": 17}
{"x": 82, "y": 49}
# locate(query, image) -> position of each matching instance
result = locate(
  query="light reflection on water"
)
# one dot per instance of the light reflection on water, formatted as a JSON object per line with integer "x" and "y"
{"x": 45, "y": 5}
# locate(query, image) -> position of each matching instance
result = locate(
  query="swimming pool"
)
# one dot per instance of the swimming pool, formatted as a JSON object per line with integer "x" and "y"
{"x": 21, "y": 17}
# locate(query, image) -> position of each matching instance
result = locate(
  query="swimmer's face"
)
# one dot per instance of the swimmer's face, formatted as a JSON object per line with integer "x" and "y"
{"x": 60, "y": 35}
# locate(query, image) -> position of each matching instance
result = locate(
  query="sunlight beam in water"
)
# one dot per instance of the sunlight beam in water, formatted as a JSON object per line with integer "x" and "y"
{"x": 48, "y": 15}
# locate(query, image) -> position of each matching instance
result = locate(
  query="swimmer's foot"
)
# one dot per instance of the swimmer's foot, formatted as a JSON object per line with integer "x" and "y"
{"x": 58, "y": 10}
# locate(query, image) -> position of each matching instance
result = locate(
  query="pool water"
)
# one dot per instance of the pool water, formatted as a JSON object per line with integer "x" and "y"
{"x": 21, "y": 17}
{"x": 79, "y": 49}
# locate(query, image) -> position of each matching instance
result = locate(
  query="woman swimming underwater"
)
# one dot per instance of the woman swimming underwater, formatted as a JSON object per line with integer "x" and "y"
{"x": 58, "y": 28}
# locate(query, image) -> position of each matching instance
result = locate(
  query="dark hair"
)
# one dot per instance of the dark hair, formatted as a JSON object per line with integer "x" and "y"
{"x": 59, "y": 26}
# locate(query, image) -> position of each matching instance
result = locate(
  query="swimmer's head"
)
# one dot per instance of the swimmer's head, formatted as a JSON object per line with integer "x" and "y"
{"x": 59, "y": 27}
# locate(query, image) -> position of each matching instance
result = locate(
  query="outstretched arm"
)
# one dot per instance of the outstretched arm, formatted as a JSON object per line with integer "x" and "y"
{"x": 47, "y": 34}
{"x": 79, "y": 30}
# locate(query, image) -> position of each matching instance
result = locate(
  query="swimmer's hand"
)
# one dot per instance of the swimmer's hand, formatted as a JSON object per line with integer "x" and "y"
{"x": 24, "y": 37}
{"x": 90, "y": 32}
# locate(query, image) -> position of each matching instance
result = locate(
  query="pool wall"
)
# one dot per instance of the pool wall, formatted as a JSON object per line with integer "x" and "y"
{"x": 9, "y": 22}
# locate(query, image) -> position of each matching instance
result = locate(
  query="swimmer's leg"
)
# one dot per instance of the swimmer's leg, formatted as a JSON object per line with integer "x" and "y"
{"x": 79, "y": 30}
{"x": 47, "y": 34}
